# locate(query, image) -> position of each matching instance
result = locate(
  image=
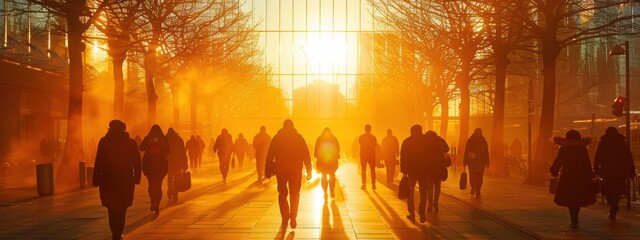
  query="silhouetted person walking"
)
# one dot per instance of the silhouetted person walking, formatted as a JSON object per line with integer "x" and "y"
{"x": 368, "y": 144}
{"x": 574, "y": 189}
{"x": 476, "y": 156}
{"x": 327, "y": 153}
{"x": 201, "y": 148}
{"x": 154, "y": 164}
{"x": 390, "y": 151}
{"x": 224, "y": 148}
{"x": 288, "y": 151}
{"x": 178, "y": 162}
{"x": 614, "y": 163}
{"x": 413, "y": 163}
{"x": 193, "y": 148}
{"x": 117, "y": 170}
{"x": 240, "y": 148}
{"x": 261, "y": 144}
{"x": 436, "y": 147}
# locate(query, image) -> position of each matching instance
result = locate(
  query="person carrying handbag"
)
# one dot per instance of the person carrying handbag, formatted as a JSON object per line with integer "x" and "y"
{"x": 413, "y": 163}
{"x": 476, "y": 156}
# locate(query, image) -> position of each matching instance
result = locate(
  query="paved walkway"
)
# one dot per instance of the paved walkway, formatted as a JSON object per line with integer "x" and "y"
{"x": 246, "y": 209}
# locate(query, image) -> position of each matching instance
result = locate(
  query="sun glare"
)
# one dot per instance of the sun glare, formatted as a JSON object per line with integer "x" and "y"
{"x": 326, "y": 53}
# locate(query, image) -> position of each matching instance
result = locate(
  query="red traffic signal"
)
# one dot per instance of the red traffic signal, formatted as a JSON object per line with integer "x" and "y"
{"x": 618, "y": 106}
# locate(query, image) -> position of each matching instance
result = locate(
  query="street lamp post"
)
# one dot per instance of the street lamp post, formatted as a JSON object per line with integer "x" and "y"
{"x": 620, "y": 50}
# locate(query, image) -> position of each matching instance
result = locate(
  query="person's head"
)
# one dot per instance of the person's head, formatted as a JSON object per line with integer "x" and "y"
{"x": 326, "y": 132}
{"x": 367, "y": 128}
{"x": 240, "y": 135}
{"x": 224, "y": 131}
{"x": 263, "y": 129}
{"x": 573, "y": 135}
{"x": 198, "y": 137}
{"x": 193, "y": 137}
{"x": 477, "y": 132}
{"x": 171, "y": 131}
{"x": 156, "y": 130}
{"x": 416, "y": 129}
{"x": 117, "y": 125}
{"x": 287, "y": 124}
{"x": 611, "y": 130}
{"x": 389, "y": 132}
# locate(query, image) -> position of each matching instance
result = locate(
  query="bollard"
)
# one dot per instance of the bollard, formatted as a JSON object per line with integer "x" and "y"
{"x": 44, "y": 178}
{"x": 90, "y": 176}
{"x": 83, "y": 174}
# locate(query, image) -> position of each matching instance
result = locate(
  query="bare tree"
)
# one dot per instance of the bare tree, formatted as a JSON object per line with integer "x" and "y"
{"x": 554, "y": 25}
{"x": 78, "y": 18}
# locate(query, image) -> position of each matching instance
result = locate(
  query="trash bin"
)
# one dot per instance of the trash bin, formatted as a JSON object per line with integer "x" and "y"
{"x": 83, "y": 174}
{"x": 44, "y": 178}
{"x": 90, "y": 176}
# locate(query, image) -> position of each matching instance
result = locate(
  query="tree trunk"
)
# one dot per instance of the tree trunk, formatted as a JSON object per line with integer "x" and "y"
{"x": 152, "y": 97}
{"x": 67, "y": 175}
{"x": 175, "y": 100}
{"x": 540, "y": 163}
{"x": 118, "y": 91}
{"x": 465, "y": 107}
{"x": 499, "y": 166}
{"x": 444, "y": 115}
{"x": 429, "y": 114}
{"x": 194, "y": 109}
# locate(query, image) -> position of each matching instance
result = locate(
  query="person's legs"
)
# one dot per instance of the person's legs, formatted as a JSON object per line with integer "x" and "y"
{"x": 295, "y": 183}
{"x": 240, "y": 160}
{"x": 332, "y": 184}
{"x": 410, "y": 205}
{"x": 473, "y": 181}
{"x": 436, "y": 193}
{"x": 155, "y": 192}
{"x": 224, "y": 166}
{"x": 116, "y": 221}
{"x": 324, "y": 182}
{"x": 372, "y": 168}
{"x": 479, "y": 180}
{"x": 613, "y": 201}
{"x": 391, "y": 171}
{"x": 171, "y": 175}
{"x": 283, "y": 191}
{"x": 363, "y": 167}
{"x": 260, "y": 161}
{"x": 422, "y": 187}
{"x": 573, "y": 212}
{"x": 429, "y": 188}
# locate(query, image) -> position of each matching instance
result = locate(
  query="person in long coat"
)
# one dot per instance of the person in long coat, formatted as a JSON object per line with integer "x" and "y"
{"x": 154, "y": 164}
{"x": 614, "y": 164}
{"x": 287, "y": 153}
{"x": 261, "y": 144}
{"x": 368, "y": 145}
{"x": 476, "y": 156}
{"x": 178, "y": 162}
{"x": 201, "y": 148}
{"x": 327, "y": 153}
{"x": 413, "y": 163}
{"x": 436, "y": 147}
{"x": 390, "y": 151}
{"x": 193, "y": 150}
{"x": 574, "y": 190}
{"x": 117, "y": 171}
{"x": 240, "y": 148}
{"x": 224, "y": 148}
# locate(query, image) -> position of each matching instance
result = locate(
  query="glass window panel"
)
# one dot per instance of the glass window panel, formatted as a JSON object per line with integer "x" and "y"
{"x": 260, "y": 13}
{"x": 353, "y": 15}
{"x": 300, "y": 56}
{"x": 272, "y": 54}
{"x": 340, "y": 15}
{"x": 313, "y": 15}
{"x": 286, "y": 53}
{"x": 273, "y": 15}
{"x": 285, "y": 15}
{"x": 326, "y": 14}
{"x": 352, "y": 52}
{"x": 300, "y": 15}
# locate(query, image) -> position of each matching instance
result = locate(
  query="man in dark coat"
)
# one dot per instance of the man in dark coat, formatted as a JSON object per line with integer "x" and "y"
{"x": 390, "y": 151}
{"x": 117, "y": 170}
{"x": 436, "y": 167}
{"x": 413, "y": 155}
{"x": 154, "y": 164}
{"x": 476, "y": 156}
{"x": 193, "y": 149}
{"x": 240, "y": 148}
{"x": 574, "y": 190}
{"x": 288, "y": 151}
{"x": 178, "y": 162}
{"x": 261, "y": 145}
{"x": 224, "y": 148}
{"x": 614, "y": 163}
{"x": 368, "y": 144}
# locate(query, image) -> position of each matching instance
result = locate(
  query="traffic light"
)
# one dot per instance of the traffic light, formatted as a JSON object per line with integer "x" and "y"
{"x": 618, "y": 106}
